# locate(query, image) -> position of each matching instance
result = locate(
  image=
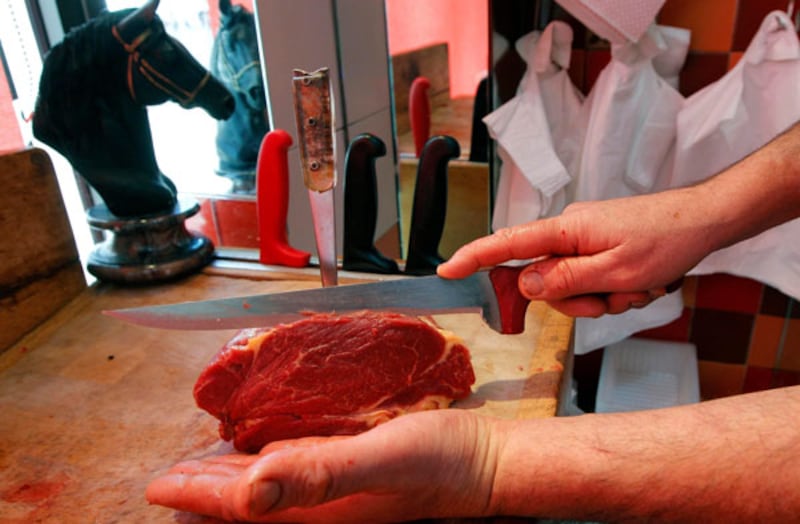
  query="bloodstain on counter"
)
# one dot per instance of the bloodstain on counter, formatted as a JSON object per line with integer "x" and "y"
{"x": 30, "y": 501}
{"x": 34, "y": 492}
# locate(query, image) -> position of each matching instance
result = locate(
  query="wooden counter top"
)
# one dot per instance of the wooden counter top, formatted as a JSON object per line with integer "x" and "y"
{"x": 93, "y": 408}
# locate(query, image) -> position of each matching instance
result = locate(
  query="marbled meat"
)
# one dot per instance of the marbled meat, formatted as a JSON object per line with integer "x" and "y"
{"x": 330, "y": 375}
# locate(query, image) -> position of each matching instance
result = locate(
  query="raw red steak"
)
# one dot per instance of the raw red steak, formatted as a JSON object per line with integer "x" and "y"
{"x": 330, "y": 375}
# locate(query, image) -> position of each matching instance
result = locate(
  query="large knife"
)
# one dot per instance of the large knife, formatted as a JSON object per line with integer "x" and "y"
{"x": 361, "y": 207}
{"x": 493, "y": 293}
{"x": 429, "y": 211}
{"x": 314, "y": 115}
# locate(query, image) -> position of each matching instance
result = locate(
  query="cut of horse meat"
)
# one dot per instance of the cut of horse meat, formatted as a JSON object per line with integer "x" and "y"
{"x": 330, "y": 375}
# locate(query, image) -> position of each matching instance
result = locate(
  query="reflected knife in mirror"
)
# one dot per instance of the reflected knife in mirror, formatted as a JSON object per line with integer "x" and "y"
{"x": 315, "y": 130}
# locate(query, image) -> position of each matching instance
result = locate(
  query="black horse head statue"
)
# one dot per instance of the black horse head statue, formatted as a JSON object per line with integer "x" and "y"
{"x": 235, "y": 61}
{"x": 94, "y": 87}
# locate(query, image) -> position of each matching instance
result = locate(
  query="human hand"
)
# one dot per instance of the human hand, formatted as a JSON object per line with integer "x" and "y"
{"x": 599, "y": 257}
{"x": 431, "y": 464}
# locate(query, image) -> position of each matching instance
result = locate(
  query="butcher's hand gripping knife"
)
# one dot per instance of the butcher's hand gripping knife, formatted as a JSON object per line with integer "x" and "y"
{"x": 315, "y": 129}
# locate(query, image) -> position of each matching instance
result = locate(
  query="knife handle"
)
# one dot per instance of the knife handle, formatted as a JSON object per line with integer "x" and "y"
{"x": 430, "y": 205}
{"x": 512, "y": 304}
{"x": 315, "y": 128}
{"x": 419, "y": 110}
{"x": 361, "y": 207}
{"x": 272, "y": 202}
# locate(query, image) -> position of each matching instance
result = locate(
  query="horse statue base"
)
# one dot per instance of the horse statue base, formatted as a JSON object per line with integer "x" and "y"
{"x": 147, "y": 249}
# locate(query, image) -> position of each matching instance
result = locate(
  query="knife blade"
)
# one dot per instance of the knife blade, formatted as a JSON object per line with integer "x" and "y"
{"x": 493, "y": 293}
{"x": 314, "y": 117}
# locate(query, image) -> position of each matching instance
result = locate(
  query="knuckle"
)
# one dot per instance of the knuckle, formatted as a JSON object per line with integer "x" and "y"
{"x": 562, "y": 279}
{"x": 316, "y": 485}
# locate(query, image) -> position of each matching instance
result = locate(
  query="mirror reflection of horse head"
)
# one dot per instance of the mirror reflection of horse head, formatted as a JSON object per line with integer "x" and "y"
{"x": 94, "y": 87}
{"x": 235, "y": 61}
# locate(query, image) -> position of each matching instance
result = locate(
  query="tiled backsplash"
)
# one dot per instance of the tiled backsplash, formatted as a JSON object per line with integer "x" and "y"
{"x": 747, "y": 334}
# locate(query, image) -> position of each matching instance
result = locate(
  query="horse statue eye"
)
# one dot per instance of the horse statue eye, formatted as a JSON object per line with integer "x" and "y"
{"x": 256, "y": 92}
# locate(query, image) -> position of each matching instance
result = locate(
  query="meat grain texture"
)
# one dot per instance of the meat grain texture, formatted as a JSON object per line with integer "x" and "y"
{"x": 330, "y": 375}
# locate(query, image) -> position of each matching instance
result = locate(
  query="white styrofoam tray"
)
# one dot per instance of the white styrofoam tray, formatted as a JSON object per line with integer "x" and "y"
{"x": 645, "y": 374}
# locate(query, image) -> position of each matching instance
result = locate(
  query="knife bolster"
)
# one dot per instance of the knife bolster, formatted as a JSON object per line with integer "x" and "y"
{"x": 512, "y": 304}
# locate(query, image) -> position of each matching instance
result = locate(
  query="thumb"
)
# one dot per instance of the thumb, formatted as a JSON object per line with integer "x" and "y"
{"x": 313, "y": 475}
{"x": 296, "y": 477}
{"x": 561, "y": 277}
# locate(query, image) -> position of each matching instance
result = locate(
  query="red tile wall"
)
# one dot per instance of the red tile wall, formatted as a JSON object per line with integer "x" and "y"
{"x": 747, "y": 334}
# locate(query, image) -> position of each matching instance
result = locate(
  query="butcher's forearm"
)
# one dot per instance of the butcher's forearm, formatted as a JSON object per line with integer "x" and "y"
{"x": 760, "y": 192}
{"x": 728, "y": 460}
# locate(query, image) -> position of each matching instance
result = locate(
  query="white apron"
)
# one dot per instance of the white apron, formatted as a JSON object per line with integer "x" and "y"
{"x": 630, "y": 118}
{"x": 531, "y": 130}
{"x": 727, "y": 120}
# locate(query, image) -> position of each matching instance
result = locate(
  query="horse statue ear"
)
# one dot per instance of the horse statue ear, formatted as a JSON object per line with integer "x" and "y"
{"x": 150, "y": 8}
{"x": 225, "y": 7}
{"x": 133, "y": 24}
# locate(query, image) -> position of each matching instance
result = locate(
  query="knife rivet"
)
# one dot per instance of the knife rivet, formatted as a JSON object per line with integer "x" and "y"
{"x": 314, "y": 165}
{"x": 312, "y": 121}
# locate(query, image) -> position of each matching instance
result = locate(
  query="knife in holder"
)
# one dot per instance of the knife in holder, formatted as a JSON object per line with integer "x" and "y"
{"x": 315, "y": 130}
{"x": 430, "y": 205}
{"x": 361, "y": 207}
{"x": 272, "y": 202}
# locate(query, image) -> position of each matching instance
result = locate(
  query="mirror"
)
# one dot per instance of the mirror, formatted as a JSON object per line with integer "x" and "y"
{"x": 364, "y": 42}
{"x": 446, "y": 43}
{"x": 186, "y": 140}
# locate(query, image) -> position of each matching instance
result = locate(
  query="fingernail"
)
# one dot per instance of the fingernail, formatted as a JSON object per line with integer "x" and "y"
{"x": 532, "y": 283}
{"x": 264, "y": 494}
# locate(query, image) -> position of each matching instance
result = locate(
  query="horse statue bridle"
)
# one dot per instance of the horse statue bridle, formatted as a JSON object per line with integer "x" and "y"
{"x": 232, "y": 74}
{"x": 185, "y": 97}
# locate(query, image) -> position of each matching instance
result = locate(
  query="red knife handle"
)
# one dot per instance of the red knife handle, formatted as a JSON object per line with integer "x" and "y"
{"x": 419, "y": 110}
{"x": 272, "y": 202}
{"x": 512, "y": 304}
{"x": 361, "y": 207}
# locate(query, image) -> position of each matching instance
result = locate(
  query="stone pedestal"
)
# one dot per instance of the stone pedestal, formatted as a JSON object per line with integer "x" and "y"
{"x": 147, "y": 249}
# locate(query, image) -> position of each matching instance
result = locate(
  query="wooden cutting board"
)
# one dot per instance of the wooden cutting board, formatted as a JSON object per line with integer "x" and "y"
{"x": 93, "y": 408}
{"x": 40, "y": 270}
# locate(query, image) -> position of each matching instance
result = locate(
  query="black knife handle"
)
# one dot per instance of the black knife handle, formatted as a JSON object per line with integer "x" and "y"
{"x": 430, "y": 205}
{"x": 361, "y": 207}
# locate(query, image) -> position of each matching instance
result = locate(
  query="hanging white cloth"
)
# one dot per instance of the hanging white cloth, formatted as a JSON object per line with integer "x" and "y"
{"x": 729, "y": 119}
{"x": 630, "y": 129}
{"x": 630, "y": 121}
{"x": 618, "y": 21}
{"x": 669, "y": 63}
{"x": 532, "y": 130}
